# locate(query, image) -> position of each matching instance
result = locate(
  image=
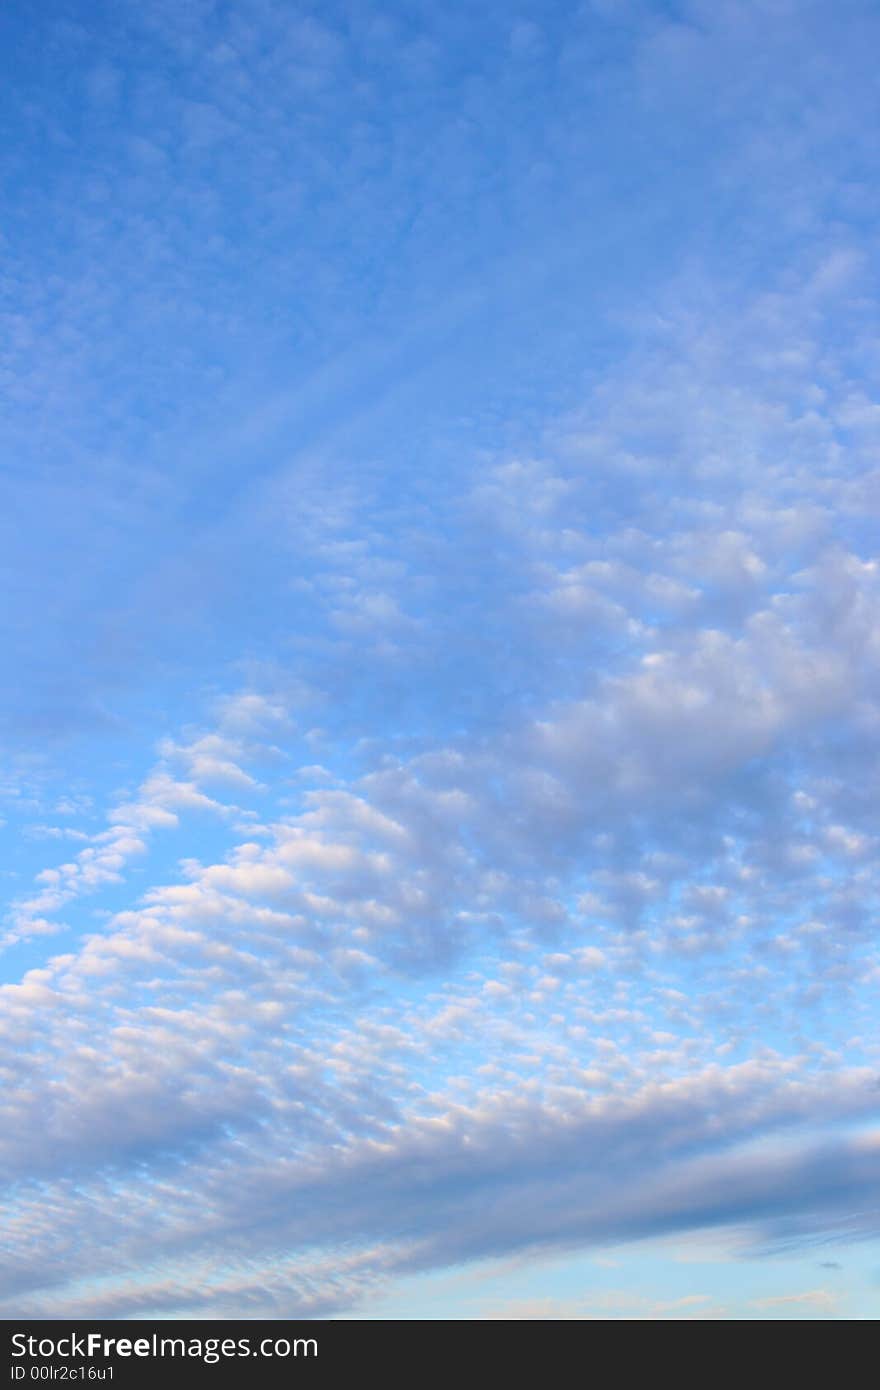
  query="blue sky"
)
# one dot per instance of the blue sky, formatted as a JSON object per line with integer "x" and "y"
{"x": 439, "y": 705}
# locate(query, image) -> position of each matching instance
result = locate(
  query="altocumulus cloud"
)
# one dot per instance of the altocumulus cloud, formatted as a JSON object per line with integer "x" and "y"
{"x": 503, "y": 880}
